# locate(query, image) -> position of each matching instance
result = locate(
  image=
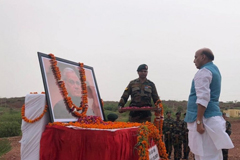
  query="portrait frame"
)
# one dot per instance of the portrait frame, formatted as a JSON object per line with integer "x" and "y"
{"x": 70, "y": 75}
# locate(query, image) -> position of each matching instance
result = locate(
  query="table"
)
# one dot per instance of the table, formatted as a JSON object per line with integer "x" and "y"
{"x": 63, "y": 143}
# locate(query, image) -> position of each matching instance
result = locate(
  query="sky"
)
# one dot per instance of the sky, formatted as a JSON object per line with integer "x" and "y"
{"x": 115, "y": 37}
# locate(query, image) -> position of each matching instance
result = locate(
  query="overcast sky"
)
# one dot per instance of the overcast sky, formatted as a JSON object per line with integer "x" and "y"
{"x": 115, "y": 37}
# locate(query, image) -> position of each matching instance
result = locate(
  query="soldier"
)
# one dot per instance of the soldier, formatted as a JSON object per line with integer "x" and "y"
{"x": 141, "y": 91}
{"x": 167, "y": 131}
{"x": 186, "y": 148}
{"x": 177, "y": 136}
{"x": 229, "y": 131}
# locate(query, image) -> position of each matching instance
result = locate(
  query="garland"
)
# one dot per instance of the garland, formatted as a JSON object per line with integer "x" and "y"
{"x": 96, "y": 122}
{"x": 158, "y": 120}
{"x": 70, "y": 105}
{"x": 148, "y": 131}
{"x": 36, "y": 119}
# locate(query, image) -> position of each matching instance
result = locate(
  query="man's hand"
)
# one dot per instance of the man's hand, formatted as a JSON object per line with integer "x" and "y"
{"x": 200, "y": 128}
{"x": 119, "y": 109}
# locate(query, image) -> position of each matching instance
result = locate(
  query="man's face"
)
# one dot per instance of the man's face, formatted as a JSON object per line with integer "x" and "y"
{"x": 169, "y": 115}
{"x": 178, "y": 116}
{"x": 198, "y": 59}
{"x": 143, "y": 73}
{"x": 73, "y": 84}
{"x": 224, "y": 116}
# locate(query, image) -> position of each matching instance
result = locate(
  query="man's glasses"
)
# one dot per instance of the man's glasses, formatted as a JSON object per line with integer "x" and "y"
{"x": 72, "y": 82}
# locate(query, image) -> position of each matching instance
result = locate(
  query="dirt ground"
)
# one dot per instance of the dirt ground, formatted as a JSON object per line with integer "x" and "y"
{"x": 234, "y": 154}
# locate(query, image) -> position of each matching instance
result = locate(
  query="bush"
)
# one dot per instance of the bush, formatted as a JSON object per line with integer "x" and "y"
{"x": 5, "y": 146}
{"x": 10, "y": 129}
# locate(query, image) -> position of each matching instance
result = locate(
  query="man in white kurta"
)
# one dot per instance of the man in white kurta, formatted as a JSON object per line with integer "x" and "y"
{"x": 206, "y": 126}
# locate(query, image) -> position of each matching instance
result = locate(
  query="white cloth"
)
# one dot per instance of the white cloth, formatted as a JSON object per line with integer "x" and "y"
{"x": 32, "y": 132}
{"x": 202, "y": 80}
{"x": 207, "y": 146}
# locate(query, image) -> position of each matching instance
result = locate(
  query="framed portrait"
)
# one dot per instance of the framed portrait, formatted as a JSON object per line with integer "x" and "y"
{"x": 69, "y": 71}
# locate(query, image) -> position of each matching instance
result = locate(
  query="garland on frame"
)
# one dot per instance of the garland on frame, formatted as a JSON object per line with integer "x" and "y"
{"x": 70, "y": 105}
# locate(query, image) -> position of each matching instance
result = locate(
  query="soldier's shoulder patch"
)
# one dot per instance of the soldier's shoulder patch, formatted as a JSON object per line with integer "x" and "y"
{"x": 126, "y": 89}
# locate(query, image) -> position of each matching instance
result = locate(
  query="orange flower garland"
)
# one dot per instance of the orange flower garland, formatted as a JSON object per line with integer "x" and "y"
{"x": 148, "y": 131}
{"x": 71, "y": 106}
{"x": 158, "y": 121}
{"x": 98, "y": 124}
{"x": 36, "y": 119}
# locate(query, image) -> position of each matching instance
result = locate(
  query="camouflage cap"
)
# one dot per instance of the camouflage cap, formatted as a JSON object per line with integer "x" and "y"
{"x": 142, "y": 66}
{"x": 178, "y": 113}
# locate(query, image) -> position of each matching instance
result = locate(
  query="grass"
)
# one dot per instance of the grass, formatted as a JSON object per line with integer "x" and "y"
{"x": 5, "y": 146}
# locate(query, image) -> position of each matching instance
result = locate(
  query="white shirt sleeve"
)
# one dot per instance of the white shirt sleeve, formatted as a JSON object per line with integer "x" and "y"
{"x": 202, "y": 82}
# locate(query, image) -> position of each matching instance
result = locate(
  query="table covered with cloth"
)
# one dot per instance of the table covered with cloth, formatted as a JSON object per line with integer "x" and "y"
{"x": 63, "y": 143}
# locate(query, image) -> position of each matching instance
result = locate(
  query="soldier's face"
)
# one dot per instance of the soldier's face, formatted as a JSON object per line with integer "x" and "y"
{"x": 143, "y": 73}
{"x": 169, "y": 115}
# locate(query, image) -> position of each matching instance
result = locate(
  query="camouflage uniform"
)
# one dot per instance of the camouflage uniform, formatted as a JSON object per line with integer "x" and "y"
{"x": 141, "y": 95}
{"x": 167, "y": 131}
{"x": 177, "y": 137}
{"x": 229, "y": 131}
{"x": 186, "y": 148}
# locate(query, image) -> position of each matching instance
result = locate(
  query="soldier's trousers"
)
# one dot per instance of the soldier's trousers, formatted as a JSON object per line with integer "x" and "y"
{"x": 139, "y": 119}
{"x": 225, "y": 154}
{"x": 186, "y": 150}
{"x": 177, "y": 151}
{"x": 168, "y": 145}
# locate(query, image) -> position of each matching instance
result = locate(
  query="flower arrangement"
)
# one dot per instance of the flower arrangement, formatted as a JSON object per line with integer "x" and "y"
{"x": 147, "y": 131}
{"x": 36, "y": 119}
{"x": 70, "y": 105}
{"x": 97, "y": 123}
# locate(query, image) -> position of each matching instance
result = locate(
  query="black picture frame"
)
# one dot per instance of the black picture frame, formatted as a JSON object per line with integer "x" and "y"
{"x": 57, "y": 108}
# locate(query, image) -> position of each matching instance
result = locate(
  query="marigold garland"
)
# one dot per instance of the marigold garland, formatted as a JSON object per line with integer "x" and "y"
{"x": 34, "y": 120}
{"x": 147, "y": 131}
{"x": 97, "y": 123}
{"x": 158, "y": 120}
{"x": 70, "y": 105}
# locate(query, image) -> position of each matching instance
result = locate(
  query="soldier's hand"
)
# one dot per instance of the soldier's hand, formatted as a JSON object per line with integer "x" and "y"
{"x": 200, "y": 128}
{"x": 120, "y": 109}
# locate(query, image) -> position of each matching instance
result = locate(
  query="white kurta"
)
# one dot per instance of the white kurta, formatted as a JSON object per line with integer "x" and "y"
{"x": 209, "y": 145}
{"x": 212, "y": 141}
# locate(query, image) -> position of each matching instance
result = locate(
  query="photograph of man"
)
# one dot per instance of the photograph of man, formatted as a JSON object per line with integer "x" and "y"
{"x": 73, "y": 86}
